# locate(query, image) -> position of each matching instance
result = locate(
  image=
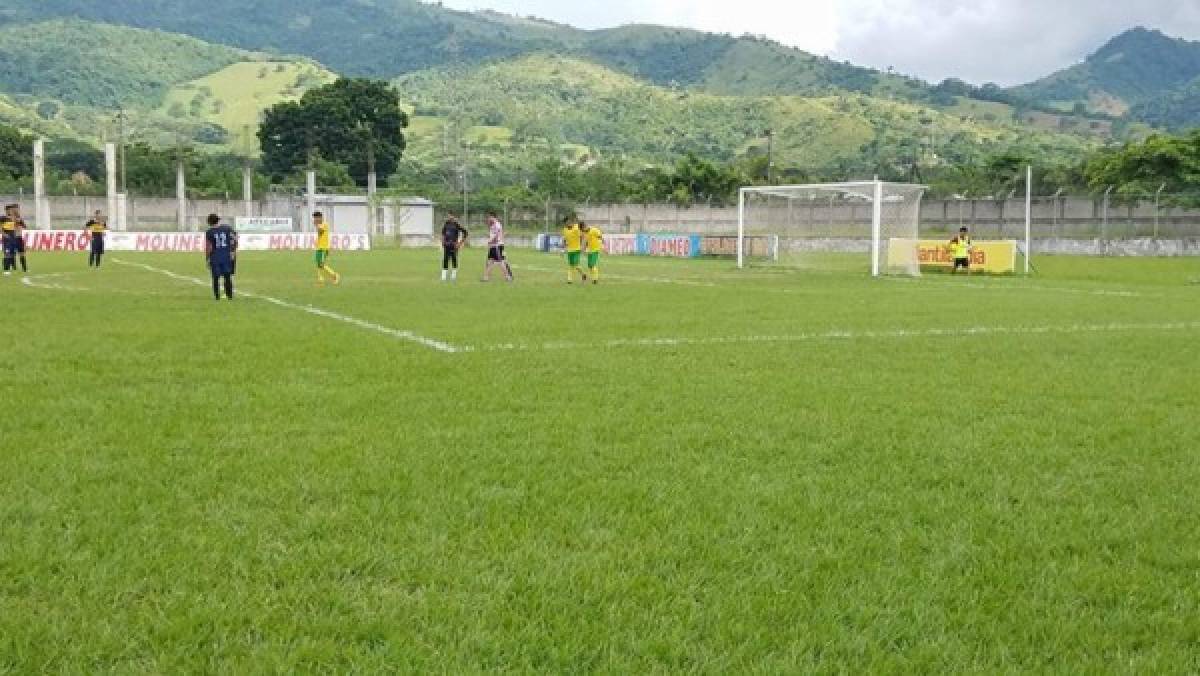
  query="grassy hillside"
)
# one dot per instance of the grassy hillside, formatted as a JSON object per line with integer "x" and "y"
{"x": 234, "y": 97}
{"x": 80, "y": 62}
{"x": 645, "y": 94}
{"x": 534, "y": 105}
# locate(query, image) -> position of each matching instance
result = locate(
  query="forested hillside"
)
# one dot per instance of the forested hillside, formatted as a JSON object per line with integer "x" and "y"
{"x": 92, "y": 64}
{"x": 541, "y": 104}
{"x": 394, "y": 37}
{"x": 1136, "y": 67}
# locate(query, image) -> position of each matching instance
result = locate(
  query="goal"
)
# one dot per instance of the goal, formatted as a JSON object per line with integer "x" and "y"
{"x": 865, "y": 218}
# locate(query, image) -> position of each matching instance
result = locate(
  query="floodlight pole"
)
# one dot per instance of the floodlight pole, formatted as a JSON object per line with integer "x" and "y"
{"x": 310, "y": 188}
{"x": 1028, "y": 218}
{"x": 121, "y": 136}
{"x": 248, "y": 190}
{"x": 741, "y": 256}
{"x": 181, "y": 195}
{"x": 110, "y": 181}
{"x": 41, "y": 208}
{"x": 876, "y": 227}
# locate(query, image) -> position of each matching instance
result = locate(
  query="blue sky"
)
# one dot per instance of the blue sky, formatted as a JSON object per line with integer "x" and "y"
{"x": 1008, "y": 42}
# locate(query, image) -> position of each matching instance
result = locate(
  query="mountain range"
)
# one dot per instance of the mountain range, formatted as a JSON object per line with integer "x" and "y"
{"x": 201, "y": 72}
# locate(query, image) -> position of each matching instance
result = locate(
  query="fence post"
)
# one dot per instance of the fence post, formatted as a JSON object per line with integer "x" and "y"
{"x": 1104, "y": 222}
{"x": 1157, "y": 198}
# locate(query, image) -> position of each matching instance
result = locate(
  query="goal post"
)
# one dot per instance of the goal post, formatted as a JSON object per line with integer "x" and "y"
{"x": 877, "y": 218}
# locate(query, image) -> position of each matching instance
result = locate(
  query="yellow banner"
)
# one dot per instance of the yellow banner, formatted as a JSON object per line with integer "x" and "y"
{"x": 997, "y": 257}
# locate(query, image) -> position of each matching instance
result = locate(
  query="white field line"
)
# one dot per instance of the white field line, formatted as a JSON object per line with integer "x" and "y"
{"x": 32, "y": 282}
{"x": 398, "y": 334}
{"x": 631, "y": 278}
{"x": 950, "y": 285}
{"x": 968, "y": 332}
{"x": 940, "y": 286}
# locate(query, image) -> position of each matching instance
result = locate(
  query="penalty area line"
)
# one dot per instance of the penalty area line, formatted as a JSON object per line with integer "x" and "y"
{"x": 398, "y": 334}
{"x": 966, "y": 332}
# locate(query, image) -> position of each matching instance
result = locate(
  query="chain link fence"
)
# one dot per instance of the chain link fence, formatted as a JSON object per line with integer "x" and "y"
{"x": 1054, "y": 217}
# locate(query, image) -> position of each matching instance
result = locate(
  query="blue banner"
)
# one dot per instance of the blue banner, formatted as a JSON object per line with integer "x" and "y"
{"x": 673, "y": 246}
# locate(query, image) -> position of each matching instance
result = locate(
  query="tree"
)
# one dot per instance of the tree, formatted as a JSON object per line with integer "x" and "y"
{"x": 1138, "y": 170}
{"x": 356, "y": 123}
{"x": 16, "y": 154}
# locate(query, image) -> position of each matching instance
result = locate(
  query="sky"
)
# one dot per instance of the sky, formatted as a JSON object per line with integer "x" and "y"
{"x": 1003, "y": 41}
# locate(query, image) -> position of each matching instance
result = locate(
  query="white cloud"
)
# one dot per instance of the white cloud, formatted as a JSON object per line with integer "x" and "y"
{"x": 1007, "y": 41}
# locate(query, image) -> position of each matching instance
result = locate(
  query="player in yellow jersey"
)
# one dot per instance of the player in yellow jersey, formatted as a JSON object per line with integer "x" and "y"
{"x": 573, "y": 242}
{"x": 961, "y": 248}
{"x": 323, "y": 246}
{"x": 594, "y": 242}
{"x": 8, "y": 240}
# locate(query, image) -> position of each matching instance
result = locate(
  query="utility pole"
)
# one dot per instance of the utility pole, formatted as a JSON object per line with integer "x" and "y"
{"x": 465, "y": 188}
{"x": 181, "y": 188}
{"x": 770, "y": 156}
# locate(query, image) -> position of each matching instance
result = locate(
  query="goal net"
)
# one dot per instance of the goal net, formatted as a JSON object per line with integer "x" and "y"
{"x": 872, "y": 222}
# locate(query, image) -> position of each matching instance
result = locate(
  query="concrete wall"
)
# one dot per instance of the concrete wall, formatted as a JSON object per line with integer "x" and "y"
{"x": 155, "y": 214}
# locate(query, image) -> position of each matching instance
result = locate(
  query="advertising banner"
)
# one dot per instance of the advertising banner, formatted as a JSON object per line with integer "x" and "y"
{"x": 620, "y": 245}
{"x": 185, "y": 242}
{"x": 280, "y": 225}
{"x": 997, "y": 257}
{"x": 676, "y": 246}
{"x": 673, "y": 246}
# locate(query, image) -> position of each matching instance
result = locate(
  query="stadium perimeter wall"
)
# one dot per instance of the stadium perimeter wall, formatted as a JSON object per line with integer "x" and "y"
{"x": 1062, "y": 226}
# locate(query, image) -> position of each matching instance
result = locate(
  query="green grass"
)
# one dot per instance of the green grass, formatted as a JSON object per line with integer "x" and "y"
{"x": 686, "y": 468}
{"x": 235, "y": 97}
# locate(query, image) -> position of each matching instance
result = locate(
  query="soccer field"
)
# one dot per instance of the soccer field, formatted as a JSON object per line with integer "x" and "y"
{"x": 685, "y": 468}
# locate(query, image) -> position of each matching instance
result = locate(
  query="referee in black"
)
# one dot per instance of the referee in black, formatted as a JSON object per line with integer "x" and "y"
{"x": 454, "y": 236}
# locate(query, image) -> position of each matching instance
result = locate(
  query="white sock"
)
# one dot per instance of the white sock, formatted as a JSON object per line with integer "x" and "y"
{"x": 454, "y": 275}
{"x": 444, "y": 273}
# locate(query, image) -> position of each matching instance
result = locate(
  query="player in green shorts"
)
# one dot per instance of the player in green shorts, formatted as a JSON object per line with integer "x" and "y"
{"x": 322, "y": 254}
{"x": 573, "y": 242}
{"x": 594, "y": 241}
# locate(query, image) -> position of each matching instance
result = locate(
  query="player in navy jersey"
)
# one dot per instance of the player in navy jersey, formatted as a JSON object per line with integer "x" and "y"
{"x": 220, "y": 251}
{"x": 14, "y": 246}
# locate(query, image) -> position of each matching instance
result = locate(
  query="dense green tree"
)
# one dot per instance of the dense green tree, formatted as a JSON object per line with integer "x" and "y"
{"x": 1138, "y": 170}
{"x": 352, "y": 122}
{"x": 16, "y": 158}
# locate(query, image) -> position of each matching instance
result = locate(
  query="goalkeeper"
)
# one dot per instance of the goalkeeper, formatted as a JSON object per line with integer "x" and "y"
{"x": 961, "y": 248}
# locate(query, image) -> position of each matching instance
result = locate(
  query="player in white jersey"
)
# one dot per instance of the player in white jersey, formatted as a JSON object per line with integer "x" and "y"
{"x": 496, "y": 249}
